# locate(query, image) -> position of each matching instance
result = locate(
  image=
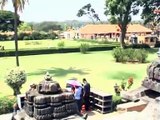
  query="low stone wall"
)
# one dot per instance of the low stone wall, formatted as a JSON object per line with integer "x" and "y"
{"x": 132, "y": 106}
{"x": 150, "y": 84}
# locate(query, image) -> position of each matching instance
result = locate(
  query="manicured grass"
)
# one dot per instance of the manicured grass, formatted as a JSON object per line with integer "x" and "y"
{"x": 28, "y": 44}
{"x": 98, "y": 68}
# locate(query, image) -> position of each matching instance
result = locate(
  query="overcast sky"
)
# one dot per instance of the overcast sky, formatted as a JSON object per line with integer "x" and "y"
{"x": 59, "y": 10}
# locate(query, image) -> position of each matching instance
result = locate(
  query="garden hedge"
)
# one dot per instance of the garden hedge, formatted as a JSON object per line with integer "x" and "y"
{"x": 24, "y": 52}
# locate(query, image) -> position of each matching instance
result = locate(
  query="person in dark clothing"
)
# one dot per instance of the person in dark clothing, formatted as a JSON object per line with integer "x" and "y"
{"x": 86, "y": 94}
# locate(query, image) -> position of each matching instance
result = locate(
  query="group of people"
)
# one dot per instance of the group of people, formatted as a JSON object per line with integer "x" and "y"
{"x": 81, "y": 94}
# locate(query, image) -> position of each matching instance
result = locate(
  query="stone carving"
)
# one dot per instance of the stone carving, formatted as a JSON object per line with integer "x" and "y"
{"x": 46, "y": 101}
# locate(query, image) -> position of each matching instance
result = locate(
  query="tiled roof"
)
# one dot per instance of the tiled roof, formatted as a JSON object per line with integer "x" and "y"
{"x": 108, "y": 28}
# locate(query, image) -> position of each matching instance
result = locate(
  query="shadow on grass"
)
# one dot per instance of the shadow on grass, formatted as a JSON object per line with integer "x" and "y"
{"x": 59, "y": 72}
{"x": 123, "y": 75}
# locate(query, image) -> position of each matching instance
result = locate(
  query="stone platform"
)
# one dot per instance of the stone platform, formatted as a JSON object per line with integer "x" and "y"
{"x": 22, "y": 114}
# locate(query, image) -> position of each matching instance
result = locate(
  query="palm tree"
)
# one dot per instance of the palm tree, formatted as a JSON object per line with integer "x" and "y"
{"x": 18, "y": 5}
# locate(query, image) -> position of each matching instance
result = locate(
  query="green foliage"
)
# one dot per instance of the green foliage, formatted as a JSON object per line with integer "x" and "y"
{"x": 141, "y": 55}
{"x": 117, "y": 54}
{"x": 3, "y": 37}
{"x": 113, "y": 20}
{"x": 116, "y": 100}
{"x": 123, "y": 84}
{"x": 147, "y": 10}
{"x": 46, "y": 26}
{"x": 7, "y": 20}
{"x": 15, "y": 78}
{"x": 61, "y": 44}
{"x": 84, "y": 47}
{"x": 121, "y": 11}
{"x": 6, "y": 105}
{"x": 130, "y": 55}
{"x": 24, "y": 36}
{"x": 37, "y": 51}
{"x": 36, "y": 35}
{"x": 24, "y": 27}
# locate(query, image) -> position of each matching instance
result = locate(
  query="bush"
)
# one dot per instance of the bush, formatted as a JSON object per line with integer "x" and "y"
{"x": 6, "y": 104}
{"x": 84, "y": 48}
{"x": 36, "y": 36}
{"x": 51, "y": 50}
{"x": 117, "y": 54}
{"x": 23, "y": 36}
{"x": 116, "y": 100}
{"x": 52, "y": 36}
{"x": 130, "y": 55}
{"x": 141, "y": 55}
{"x": 15, "y": 78}
{"x": 60, "y": 44}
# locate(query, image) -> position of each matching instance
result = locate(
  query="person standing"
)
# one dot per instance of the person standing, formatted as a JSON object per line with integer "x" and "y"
{"x": 77, "y": 95}
{"x": 76, "y": 90}
{"x": 86, "y": 94}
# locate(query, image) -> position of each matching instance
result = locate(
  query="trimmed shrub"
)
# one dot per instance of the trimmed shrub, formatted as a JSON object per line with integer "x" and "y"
{"x": 15, "y": 78}
{"x": 52, "y": 50}
{"x": 84, "y": 48}
{"x": 117, "y": 54}
{"x": 141, "y": 55}
{"x": 6, "y": 105}
{"x": 130, "y": 55}
{"x": 60, "y": 44}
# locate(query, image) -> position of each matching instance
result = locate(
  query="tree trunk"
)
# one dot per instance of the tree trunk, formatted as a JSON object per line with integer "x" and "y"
{"x": 122, "y": 37}
{"x": 16, "y": 91}
{"x": 15, "y": 34}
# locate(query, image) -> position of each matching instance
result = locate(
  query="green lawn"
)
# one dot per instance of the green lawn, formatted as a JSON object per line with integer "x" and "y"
{"x": 98, "y": 68}
{"x": 27, "y": 44}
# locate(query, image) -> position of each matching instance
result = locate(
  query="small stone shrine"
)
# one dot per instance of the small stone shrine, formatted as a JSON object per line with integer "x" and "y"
{"x": 47, "y": 101}
{"x": 152, "y": 81}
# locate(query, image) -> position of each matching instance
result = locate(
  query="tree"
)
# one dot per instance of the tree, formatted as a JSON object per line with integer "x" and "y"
{"x": 7, "y": 21}
{"x": 149, "y": 14}
{"x": 113, "y": 20}
{"x": 18, "y": 5}
{"x": 46, "y": 26}
{"x": 15, "y": 78}
{"x": 122, "y": 11}
{"x": 90, "y": 12}
{"x": 24, "y": 27}
{"x": 148, "y": 7}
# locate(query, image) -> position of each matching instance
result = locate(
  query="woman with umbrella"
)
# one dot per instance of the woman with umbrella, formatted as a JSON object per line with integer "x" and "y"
{"x": 76, "y": 88}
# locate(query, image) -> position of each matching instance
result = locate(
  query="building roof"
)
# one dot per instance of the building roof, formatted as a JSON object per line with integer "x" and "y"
{"x": 111, "y": 28}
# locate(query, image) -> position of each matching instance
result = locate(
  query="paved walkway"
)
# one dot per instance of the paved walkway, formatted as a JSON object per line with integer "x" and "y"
{"x": 92, "y": 115}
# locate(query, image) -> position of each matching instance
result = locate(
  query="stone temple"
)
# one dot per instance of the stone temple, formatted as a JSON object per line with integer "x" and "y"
{"x": 47, "y": 101}
{"x": 152, "y": 81}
